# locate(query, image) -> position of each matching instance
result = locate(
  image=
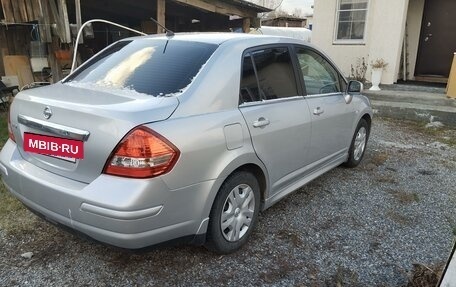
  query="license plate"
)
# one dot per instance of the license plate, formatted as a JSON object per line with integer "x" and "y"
{"x": 61, "y": 148}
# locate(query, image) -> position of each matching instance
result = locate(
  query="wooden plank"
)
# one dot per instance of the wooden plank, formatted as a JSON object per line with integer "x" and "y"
{"x": 16, "y": 12}
{"x": 17, "y": 40}
{"x": 44, "y": 19}
{"x": 148, "y": 27}
{"x": 3, "y": 49}
{"x": 30, "y": 14}
{"x": 246, "y": 25}
{"x": 57, "y": 19}
{"x": 56, "y": 69}
{"x": 63, "y": 12}
{"x": 37, "y": 8}
{"x": 432, "y": 79}
{"x": 23, "y": 10}
{"x": 220, "y": 7}
{"x": 18, "y": 66}
{"x": 77, "y": 4}
{"x": 451, "y": 87}
{"x": 161, "y": 8}
{"x": 9, "y": 40}
{"x": 8, "y": 11}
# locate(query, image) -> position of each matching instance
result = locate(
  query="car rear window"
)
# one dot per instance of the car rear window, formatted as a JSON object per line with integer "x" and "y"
{"x": 155, "y": 67}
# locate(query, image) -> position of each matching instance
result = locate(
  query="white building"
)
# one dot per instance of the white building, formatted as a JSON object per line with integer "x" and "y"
{"x": 352, "y": 29}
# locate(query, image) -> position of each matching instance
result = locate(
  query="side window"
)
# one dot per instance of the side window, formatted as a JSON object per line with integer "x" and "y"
{"x": 343, "y": 84}
{"x": 275, "y": 73}
{"x": 319, "y": 76}
{"x": 267, "y": 74}
{"x": 249, "y": 85}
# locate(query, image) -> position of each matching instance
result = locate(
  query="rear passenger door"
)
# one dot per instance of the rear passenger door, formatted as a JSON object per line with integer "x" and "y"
{"x": 332, "y": 117}
{"x": 276, "y": 113}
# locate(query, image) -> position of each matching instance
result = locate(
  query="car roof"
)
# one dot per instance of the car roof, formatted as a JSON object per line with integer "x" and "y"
{"x": 215, "y": 38}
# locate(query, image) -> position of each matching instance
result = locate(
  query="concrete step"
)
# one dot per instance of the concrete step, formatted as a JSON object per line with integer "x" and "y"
{"x": 415, "y": 112}
{"x": 417, "y": 102}
{"x": 413, "y": 97}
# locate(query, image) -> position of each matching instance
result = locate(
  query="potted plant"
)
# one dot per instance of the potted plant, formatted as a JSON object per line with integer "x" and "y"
{"x": 377, "y": 70}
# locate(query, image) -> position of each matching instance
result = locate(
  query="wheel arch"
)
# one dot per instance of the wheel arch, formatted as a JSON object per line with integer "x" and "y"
{"x": 246, "y": 162}
{"x": 259, "y": 175}
{"x": 367, "y": 117}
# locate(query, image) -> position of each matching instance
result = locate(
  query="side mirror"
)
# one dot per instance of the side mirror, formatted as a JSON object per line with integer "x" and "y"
{"x": 353, "y": 88}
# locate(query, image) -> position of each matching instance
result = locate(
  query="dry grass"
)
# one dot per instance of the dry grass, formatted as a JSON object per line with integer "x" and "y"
{"x": 424, "y": 276}
{"x": 344, "y": 277}
{"x": 386, "y": 179}
{"x": 14, "y": 217}
{"x": 290, "y": 236}
{"x": 282, "y": 269}
{"x": 379, "y": 159}
{"x": 445, "y": 135}
{"x": 404, "y": 197}
{"x": 398, "y": 218}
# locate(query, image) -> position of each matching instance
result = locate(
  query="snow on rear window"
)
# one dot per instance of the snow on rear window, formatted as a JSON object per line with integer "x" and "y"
{"x": 154, "y": 67}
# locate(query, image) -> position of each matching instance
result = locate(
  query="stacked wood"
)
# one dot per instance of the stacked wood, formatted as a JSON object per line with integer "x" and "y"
{"x": 21, "y": 11}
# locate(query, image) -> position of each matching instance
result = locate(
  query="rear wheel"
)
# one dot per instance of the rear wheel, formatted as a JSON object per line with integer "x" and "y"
{"x": 234, "y": 213}
{"x": 358, "y": 144}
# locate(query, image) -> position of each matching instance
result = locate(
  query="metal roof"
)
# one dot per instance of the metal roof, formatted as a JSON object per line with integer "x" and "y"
{"x": 248, "y": 4}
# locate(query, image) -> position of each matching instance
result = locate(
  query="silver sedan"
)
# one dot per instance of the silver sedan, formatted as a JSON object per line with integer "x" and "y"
{"x": 182, "y": 138}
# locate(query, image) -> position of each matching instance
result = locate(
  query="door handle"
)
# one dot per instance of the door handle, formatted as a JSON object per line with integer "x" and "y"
{"x": 318, "y": 111}
{"x": 261, "y": 122}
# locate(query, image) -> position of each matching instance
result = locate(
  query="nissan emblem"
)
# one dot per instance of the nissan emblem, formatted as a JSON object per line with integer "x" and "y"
{"x": 47, "y": 113}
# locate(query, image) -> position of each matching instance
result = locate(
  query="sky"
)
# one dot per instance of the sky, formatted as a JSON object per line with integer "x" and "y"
{"x": 289, "y": 5}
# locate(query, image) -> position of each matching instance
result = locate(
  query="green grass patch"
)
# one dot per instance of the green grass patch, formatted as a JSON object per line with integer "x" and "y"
{"x": 444, "y": 134}
{"x": 3, "y": 128}
{"x": 14, "y": 217}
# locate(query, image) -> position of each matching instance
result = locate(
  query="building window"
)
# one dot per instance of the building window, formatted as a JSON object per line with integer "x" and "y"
{"x": 351, "y": 20}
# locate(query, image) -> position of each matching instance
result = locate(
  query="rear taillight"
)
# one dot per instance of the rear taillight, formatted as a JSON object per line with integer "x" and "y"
{"x": 142, "y": 153}
{"x": 10, "y": 128}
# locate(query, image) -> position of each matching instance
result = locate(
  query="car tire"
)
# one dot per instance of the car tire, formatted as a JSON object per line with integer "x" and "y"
{"x": 234, "y": 213}
{"x": 358, "y": 144}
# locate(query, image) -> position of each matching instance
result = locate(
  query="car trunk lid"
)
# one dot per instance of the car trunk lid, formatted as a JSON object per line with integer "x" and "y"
{"x": 98, "y": 118}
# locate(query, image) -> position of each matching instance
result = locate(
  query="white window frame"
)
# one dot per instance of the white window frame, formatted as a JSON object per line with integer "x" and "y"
{"x": 336, "y": 27}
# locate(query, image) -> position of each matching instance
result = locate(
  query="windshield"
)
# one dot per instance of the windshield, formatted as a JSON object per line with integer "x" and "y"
{"x": 155, "y": 67}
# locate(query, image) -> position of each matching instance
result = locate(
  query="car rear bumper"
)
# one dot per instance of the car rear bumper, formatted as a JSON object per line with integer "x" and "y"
{"x": 127, "y": 213}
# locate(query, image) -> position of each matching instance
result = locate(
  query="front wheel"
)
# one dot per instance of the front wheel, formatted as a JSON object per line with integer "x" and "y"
{"x": 234, "y": 213}
{"x": 358, "y": 144}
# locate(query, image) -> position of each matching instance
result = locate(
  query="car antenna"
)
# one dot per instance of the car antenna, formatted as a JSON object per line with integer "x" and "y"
{"x": 169, "y": 33}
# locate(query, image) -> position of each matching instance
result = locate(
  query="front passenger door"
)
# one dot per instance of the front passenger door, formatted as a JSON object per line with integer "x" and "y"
{"x": 332, "y": 117}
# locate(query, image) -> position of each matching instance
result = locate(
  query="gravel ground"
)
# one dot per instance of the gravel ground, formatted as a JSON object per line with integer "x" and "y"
{"x": 351, "y": 227}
